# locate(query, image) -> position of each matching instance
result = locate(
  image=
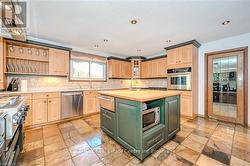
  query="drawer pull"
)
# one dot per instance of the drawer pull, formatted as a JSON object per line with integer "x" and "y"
{"x": 107, "y": 116}
{"x": 155, "y": 139}
{"x": 106, "y": 98}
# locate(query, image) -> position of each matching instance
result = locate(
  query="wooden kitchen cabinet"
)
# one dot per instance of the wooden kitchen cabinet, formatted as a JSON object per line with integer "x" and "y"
{"x": 54, "y": 109}
{"x": 156, "y": 68}
{"x": 2, "y": 76}
{"x": 180, "y": 57}
{"x": 46, "y": 107}
{"x": 58, "y": 62}
{"x": 39, "y": 111}
{"x": 186, "y": 105}
{"x": 119, "y": 68}
{"x": 91, "y": 102}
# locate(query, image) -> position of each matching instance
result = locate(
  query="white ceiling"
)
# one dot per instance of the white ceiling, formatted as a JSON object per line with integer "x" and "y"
{"x": 83, "y": 24}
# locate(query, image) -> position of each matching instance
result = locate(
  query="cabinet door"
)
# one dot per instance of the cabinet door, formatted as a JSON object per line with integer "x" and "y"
{"x": 90, "y": 102}
{"x": 186, "y": 105}
{"x": 163, "y": 67}
{"x": 185, "y": 54}
{"x": 54, "y": 109}
{"x": 172, "y": 108}
{"x": 39, "y": 111}
{"x": 58, "y": 62}
{"x": 108, "y": 122}
{"x": 125, "y": 69}
{"x": 172, "y": 57}
{"x": 114, "y": 68}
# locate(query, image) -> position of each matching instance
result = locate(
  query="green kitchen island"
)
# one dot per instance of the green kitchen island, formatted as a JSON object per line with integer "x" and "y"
{"x": 122, "y": 118}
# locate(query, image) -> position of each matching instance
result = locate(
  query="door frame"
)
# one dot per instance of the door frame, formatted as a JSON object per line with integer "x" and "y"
{"x": 245, "y": 82}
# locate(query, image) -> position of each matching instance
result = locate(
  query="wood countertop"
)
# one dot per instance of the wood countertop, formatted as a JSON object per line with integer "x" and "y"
{"x": 140, "y": 95}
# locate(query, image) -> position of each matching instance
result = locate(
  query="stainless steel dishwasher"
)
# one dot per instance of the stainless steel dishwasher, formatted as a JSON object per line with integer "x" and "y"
{"x": 72, "y": 104}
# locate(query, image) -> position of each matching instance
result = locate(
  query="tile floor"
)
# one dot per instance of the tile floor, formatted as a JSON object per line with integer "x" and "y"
{"x": 81, "y": 142}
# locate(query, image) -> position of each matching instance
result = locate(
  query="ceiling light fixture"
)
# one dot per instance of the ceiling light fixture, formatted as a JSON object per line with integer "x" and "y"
{"x": 139, "y": 50}
{"x": 133, "y": 21}
{"x": 105, "y": 40}
{"x": 96, "y": 46}
{"x": 225, "y": 22}
{"x": 168, "y": 41}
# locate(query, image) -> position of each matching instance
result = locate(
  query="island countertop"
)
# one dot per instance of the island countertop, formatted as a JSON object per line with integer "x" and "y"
{"x": 140, "y": 95}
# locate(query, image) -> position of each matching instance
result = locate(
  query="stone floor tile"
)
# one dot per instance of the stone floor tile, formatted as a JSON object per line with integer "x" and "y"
{"x": 32, "y": 145}
{"x": 104, "y": 149}
{"x": 205, "y": 160}
{"x": 74, "y": 140}
{"x": 67, "y": 163}
{"x": 202, "y": 133}
{"x": 36, "y": 162}
{"x": 70, "y": 134}
{"x": 171, "y": 145}
{"x": 187, "y": 153}
{"x": 88, "y": 158}
{"x": 217, "y": 155}
{"x": 57, "y": 157}
{"x": 33, "y": 135}
{"x": 192, "y": 144}
{"x": 197, "y": 138}
{"x": 95, "y": 141}
{"x": 174, "y": 160}
{"x": 150, "y": 161}
{"x": 178, "y": 139}
{"x": 52, "y": 139}
{"x": 116, "y": 158}
{"x": 52, "y": 148}
{"x": 238, "y": 162}
{"x": 220, "y": 145}
{"x": 78, "y": 149}
{"x": 31, "y": 155}
{"x": 241, "y": 153}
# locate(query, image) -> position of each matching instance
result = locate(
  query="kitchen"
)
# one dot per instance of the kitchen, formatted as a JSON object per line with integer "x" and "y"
{"x": 125, "y": 88}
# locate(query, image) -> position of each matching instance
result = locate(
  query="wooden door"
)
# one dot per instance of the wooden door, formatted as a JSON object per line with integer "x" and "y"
{"x": 54, "y": 109}
{"x": 226, "y": 79}
{"x": 185, "y": 54}
{"x": 39, "y": 111}
{"x": 172, "y": 57}
{"x": 114, "y": 68}
{"x": 125, "y": 68}
{"x": 58, "y": 62}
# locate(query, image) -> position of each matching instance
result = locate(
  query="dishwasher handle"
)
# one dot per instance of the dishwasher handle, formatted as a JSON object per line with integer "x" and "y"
{"x": 72, "y": 94}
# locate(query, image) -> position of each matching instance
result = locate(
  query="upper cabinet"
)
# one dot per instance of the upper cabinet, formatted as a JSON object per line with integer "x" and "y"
{"x": 58, "y": 62}
{"x": 34, "y": 59}
{"x": 155, "y": 68}
{"x": 180, "y": 57}
{"x": 119, "y": 68}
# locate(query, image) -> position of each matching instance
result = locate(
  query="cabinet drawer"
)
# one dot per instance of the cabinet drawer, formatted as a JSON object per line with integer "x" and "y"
{"x": 107, "y": 102}
{"x": 45, "y": 95}
{"x": 108, "y": 122}
{"x": 154, "y": 139}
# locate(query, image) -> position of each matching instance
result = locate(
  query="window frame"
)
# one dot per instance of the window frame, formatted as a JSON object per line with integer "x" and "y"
{"x": 89, "y": 79}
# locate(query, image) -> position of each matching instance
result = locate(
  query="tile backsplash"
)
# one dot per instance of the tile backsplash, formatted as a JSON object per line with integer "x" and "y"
{"x": 50, "y": 82}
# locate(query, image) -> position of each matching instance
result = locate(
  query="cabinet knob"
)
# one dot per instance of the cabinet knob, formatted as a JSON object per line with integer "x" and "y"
{"x": 45, "y": 101}
{"x": 50, "y": 101}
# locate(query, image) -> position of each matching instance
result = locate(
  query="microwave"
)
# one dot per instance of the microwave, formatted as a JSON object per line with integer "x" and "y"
{"x": 150, "y": 118}
{"x": 180, "y": 79}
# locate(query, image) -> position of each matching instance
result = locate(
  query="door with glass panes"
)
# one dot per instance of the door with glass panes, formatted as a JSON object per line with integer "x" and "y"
{"x": 225, "y": 90}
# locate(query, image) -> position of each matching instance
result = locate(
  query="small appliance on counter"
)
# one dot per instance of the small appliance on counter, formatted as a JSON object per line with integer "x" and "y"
{"x": 14, "y": 84}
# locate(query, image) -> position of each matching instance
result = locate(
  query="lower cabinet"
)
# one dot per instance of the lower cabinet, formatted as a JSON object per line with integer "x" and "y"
{"x": 39, "y": 112}
{"x": 108, "y": 122}
{"x": 172, "y": 116}
{"x": 54, "y": 109}
{"x": 46, "y": 109}
{"x": 91, "y": 102}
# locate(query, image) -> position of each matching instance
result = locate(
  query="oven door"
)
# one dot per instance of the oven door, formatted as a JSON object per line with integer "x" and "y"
{"x": 150, "y": 118}
{"x": 179, "y": 82}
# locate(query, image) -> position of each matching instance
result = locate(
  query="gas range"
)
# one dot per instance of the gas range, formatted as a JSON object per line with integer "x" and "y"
{"x": 15, "y": 113}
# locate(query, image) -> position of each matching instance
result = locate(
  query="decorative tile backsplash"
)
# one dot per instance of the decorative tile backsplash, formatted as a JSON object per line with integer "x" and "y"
{"x": 50, "y": 82}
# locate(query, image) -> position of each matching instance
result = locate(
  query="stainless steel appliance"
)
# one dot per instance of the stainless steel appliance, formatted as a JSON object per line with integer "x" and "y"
{"x": 150, "y": 118}
{"x": 180, "y": 78}
{"x": 72, "y": 104}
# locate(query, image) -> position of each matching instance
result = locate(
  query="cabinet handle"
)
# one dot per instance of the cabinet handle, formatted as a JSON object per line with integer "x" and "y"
{"x": 50, "y": 101}
{"x": 107, "y": 116}
{"x": 45, "y": 101}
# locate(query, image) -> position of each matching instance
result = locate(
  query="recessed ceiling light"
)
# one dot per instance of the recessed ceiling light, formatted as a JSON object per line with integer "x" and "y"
{"x": 96, "y": 46}
{"x": 168, "y": 41}
{"x": 225, "y": 22}
{"x": 133, "y": 21}
{"x": 105, "y": 40}
{"x": 139, "y": 50}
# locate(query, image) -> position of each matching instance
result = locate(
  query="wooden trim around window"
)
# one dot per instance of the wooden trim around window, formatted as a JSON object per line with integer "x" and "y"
{"x": 245, "y": 83}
